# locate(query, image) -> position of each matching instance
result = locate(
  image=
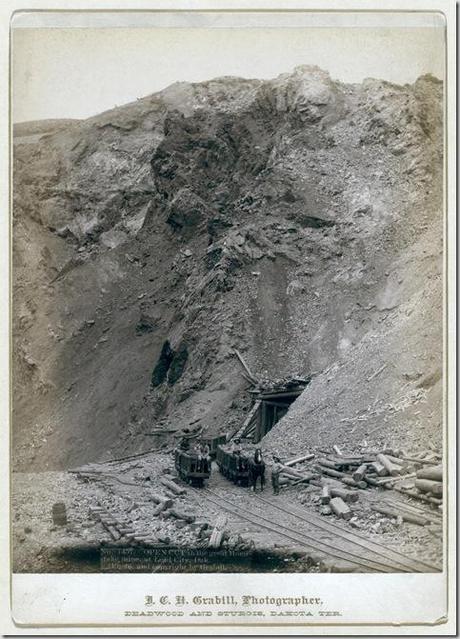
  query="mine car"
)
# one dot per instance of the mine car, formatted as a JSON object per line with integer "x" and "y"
{"x": 233, "y": 465}
{"x": 192, "y": 467}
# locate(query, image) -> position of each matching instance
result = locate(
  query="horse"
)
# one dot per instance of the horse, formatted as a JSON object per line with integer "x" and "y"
{"x": 256, "y": 470}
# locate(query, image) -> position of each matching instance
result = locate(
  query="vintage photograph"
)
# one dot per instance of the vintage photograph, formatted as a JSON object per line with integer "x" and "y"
{"x": 227, "y": 299}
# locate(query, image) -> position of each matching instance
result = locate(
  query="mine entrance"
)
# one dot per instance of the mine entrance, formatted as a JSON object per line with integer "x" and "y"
{"x": 269, "y": 406}
{"x": 273, "y": 406}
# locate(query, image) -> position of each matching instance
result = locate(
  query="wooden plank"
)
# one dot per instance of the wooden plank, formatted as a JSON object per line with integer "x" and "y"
{"x": 421, "y": 461}
{"x": 276, "y": 404}
{"x": 245, "y": 366}
{"x": 377, "y": 372}
{"x": 382, "y": 481}
{"x": 247, "y": 422}
{"x": 410, "y": 517}
{"x": 248, "y": 379}
{"x": 297, "y": 460}
{"x": 286, "y": 394}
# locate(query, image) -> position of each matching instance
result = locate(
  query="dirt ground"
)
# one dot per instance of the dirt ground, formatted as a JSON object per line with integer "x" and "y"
{"x": 40, "y": 546}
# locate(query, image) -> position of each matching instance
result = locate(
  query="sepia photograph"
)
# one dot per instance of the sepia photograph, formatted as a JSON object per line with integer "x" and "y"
{"x": 228, "y": 297}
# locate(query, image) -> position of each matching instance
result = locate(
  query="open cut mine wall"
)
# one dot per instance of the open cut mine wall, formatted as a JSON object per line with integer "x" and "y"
{"x": 298, "y": 220}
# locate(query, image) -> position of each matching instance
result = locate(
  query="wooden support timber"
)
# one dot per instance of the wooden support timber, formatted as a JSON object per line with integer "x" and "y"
{"x": 298, "y": 460}
{"x": 173, "y": 487}
{"x": 410, "y": 517}
{"x": 249, "y": 374}
{"x": 340, "y": 508}
{"x": 241, "y": 430}
{"x": 218, "y": 532}
{"x": 429, "y": 486}
{"x": 391, "y": 468}
{"x": 434, "y": 473}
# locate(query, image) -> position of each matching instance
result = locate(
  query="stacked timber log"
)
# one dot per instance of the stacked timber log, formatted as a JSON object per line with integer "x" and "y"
{"x": 340, "y": 508}
{"x": 218, "y": 532}
{"x": 428, "y": 485}
{"x": 290, "y": 476}
{"x": 418, "y": 476}
{"x": 388, "y": 469}
{"x": 174, "y": 488}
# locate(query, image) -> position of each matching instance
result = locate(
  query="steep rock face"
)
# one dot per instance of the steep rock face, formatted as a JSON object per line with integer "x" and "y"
{"x": 276, "y": 217}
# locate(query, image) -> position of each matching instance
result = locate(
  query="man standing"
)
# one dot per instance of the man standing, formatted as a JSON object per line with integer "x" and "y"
{"x": 236, "y": 447}
{"x": 276, "y": 470}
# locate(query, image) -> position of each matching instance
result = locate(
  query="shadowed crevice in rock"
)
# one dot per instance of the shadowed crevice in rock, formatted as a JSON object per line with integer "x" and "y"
{"x": 160, "y": 372}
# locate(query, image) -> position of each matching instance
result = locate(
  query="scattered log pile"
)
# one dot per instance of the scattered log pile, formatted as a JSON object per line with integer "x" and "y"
{"x": 172, "y": 486}
{"x": 343, "y": 478}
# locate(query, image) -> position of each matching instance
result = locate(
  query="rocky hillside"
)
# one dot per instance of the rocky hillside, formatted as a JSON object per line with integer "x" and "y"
{"x": 298, "y": 220}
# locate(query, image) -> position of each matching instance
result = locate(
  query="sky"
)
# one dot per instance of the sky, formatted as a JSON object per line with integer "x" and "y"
{"x": 78, "y": 72}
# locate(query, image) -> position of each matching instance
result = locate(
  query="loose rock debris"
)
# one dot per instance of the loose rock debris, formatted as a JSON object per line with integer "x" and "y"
{"x": 130, "y": 504}
{"x": 233, "y": 256}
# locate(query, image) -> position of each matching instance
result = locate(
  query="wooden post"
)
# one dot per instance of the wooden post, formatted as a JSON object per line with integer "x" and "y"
{"x": 340, "y": 508}
{"x": 419, "y": 496}
{"x": 218, "y": 532}
{"x": 392, "y": 469}
{"x": 325, "y": 495}
{"x": 345, "y": 479}
{"x": 240, "y": 431}
{"x": 359, "y": 473}
{"x": 287, "y": 470}
{"x": 159, "y": 499}
{"x": 414, "y": 519}
{"x": 434, "y": 473}
{"x": 189, "y": 518}
{"x": 167, "y": 503}
{"x": 263, "y": 420}
{"x": 246, "y": 367}
{"x": 329, "y": 463}
{"x": 347, "y": 495}
{"x": 173, "y": 487}
{"x": 429, "y": 486}
{"x": 379, "y": 469}
{"x": 298, "y": 460}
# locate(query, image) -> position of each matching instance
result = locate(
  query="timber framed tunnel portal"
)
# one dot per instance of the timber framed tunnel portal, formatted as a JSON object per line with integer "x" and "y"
{"x": 268, "y": 408}
{"x": 273, "y": 406}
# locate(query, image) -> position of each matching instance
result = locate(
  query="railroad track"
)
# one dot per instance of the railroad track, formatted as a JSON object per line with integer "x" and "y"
{"x": 354, "y": 547}
{"x": 414, "y": 565}
{"x": 381, "y": 559}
